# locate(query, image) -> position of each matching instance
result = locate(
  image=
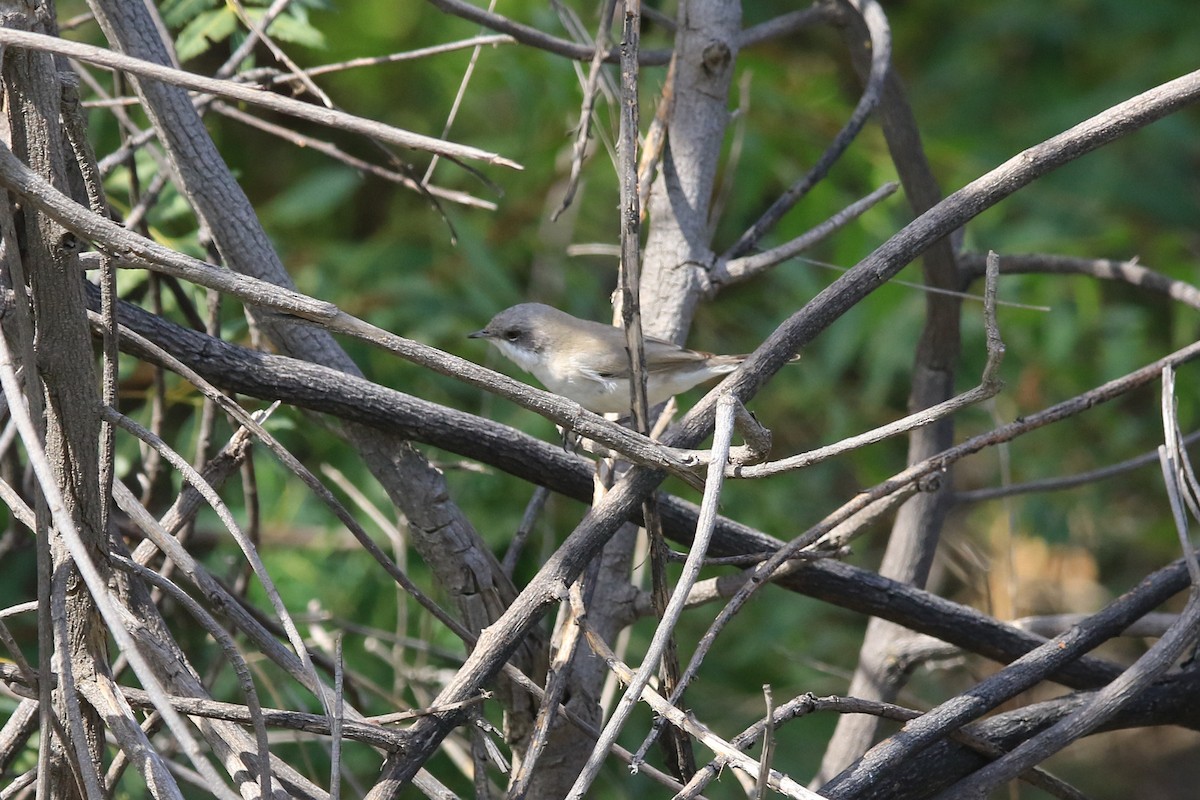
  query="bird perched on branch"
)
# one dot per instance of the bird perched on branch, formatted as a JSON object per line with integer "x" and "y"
{"x": 587, "y": 361}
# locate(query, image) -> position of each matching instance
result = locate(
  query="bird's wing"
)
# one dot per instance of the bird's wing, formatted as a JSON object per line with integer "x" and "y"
{"x": 660, "y": 355}
{"x": 604, "y": 378}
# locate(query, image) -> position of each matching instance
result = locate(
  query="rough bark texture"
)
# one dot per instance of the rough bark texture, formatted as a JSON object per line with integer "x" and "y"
{"x": 66, "y": 380}
{"x": 679, "y": 242}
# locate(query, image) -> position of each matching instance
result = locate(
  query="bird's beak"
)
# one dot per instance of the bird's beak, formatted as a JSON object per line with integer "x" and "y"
{"x": 483, "y": 334}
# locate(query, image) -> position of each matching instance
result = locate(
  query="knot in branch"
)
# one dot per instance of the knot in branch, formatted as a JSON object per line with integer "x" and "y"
{"x": 716, "y": 57}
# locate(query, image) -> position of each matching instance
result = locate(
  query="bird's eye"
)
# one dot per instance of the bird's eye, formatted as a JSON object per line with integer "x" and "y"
{"x": 512, "y": 334}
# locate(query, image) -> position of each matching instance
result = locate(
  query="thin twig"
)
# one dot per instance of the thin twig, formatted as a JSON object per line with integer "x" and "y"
{"x": 768, "y": 748}
{"x": 533, "y": 510}
{"x": 1170, "y": 456}
{"x": 557, "y": 683}
{"x": 244, "y": 543}
{"x": 881, "y": 54}
{"x": 258, "y": 32}
{"x": 319, "y": 489}
{"x": 246, "y": 46}
{"x": 236, "y": 91}
{"x": 336, "y": 722}
{"x": 456, "y": 103}
{"x": 1130, "y": 272}
{"x": 232, "y": 655}
{"x": 526, "y": 34}
{"x": 485, "y": 40}
{"x": 1067, "y": 481}
{"x": 989, "y": 386}
{"x": 722, "y": 439}
{"x": 734, "y": 270}
{"x": 655, "y": 140}
{"x": 591, "y": 89}
{"x": 688, "y": 723}
{"x": 784, "y": 24}
{"x": 337, "y": 154}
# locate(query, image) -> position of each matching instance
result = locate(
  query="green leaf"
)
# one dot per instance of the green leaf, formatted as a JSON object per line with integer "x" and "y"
{"x": 205, "y": 30}
{"x": 296, "y": 29}
{"x": 177, "y": 13}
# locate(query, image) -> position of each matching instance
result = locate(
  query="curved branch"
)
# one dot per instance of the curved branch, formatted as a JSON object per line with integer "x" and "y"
{"x": 785, "y": 24}
{"x": 1108, "y": 269}
{"x": 527, "y": 34}
{"x": 881, "y": 54}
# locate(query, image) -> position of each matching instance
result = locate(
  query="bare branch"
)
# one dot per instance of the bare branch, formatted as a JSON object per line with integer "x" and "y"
{"x": 526, "y": 34}
{"x": 691, "y": 571}
{"x": 337, "y": 154}
{"x": 1067, "y": 481}
{"x": 881, "y": 54}
{"x": 97, "y": 585}
{"x": 591, "y": 89}
{"x": 989, "y": 386}
{"x": 1010, "y": 681}
{"x": 728, "y": 271}
{"x": 734, "y": 757}
{"x": 1105, "y": 704}
{"x": 236, "y": 91}
{"x": 488, "y": 40}
{"x": 1130, "y": 272}
{"x": 131, "y": 249}
{"x": 785, "y": 24}
{"x": 1174, "y": 468}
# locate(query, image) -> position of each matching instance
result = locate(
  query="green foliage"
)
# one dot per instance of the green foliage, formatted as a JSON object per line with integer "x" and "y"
{"x": 204, "y": 23}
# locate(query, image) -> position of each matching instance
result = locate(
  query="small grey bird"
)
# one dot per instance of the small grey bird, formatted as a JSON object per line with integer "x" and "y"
{"x": 586, "y": 361}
